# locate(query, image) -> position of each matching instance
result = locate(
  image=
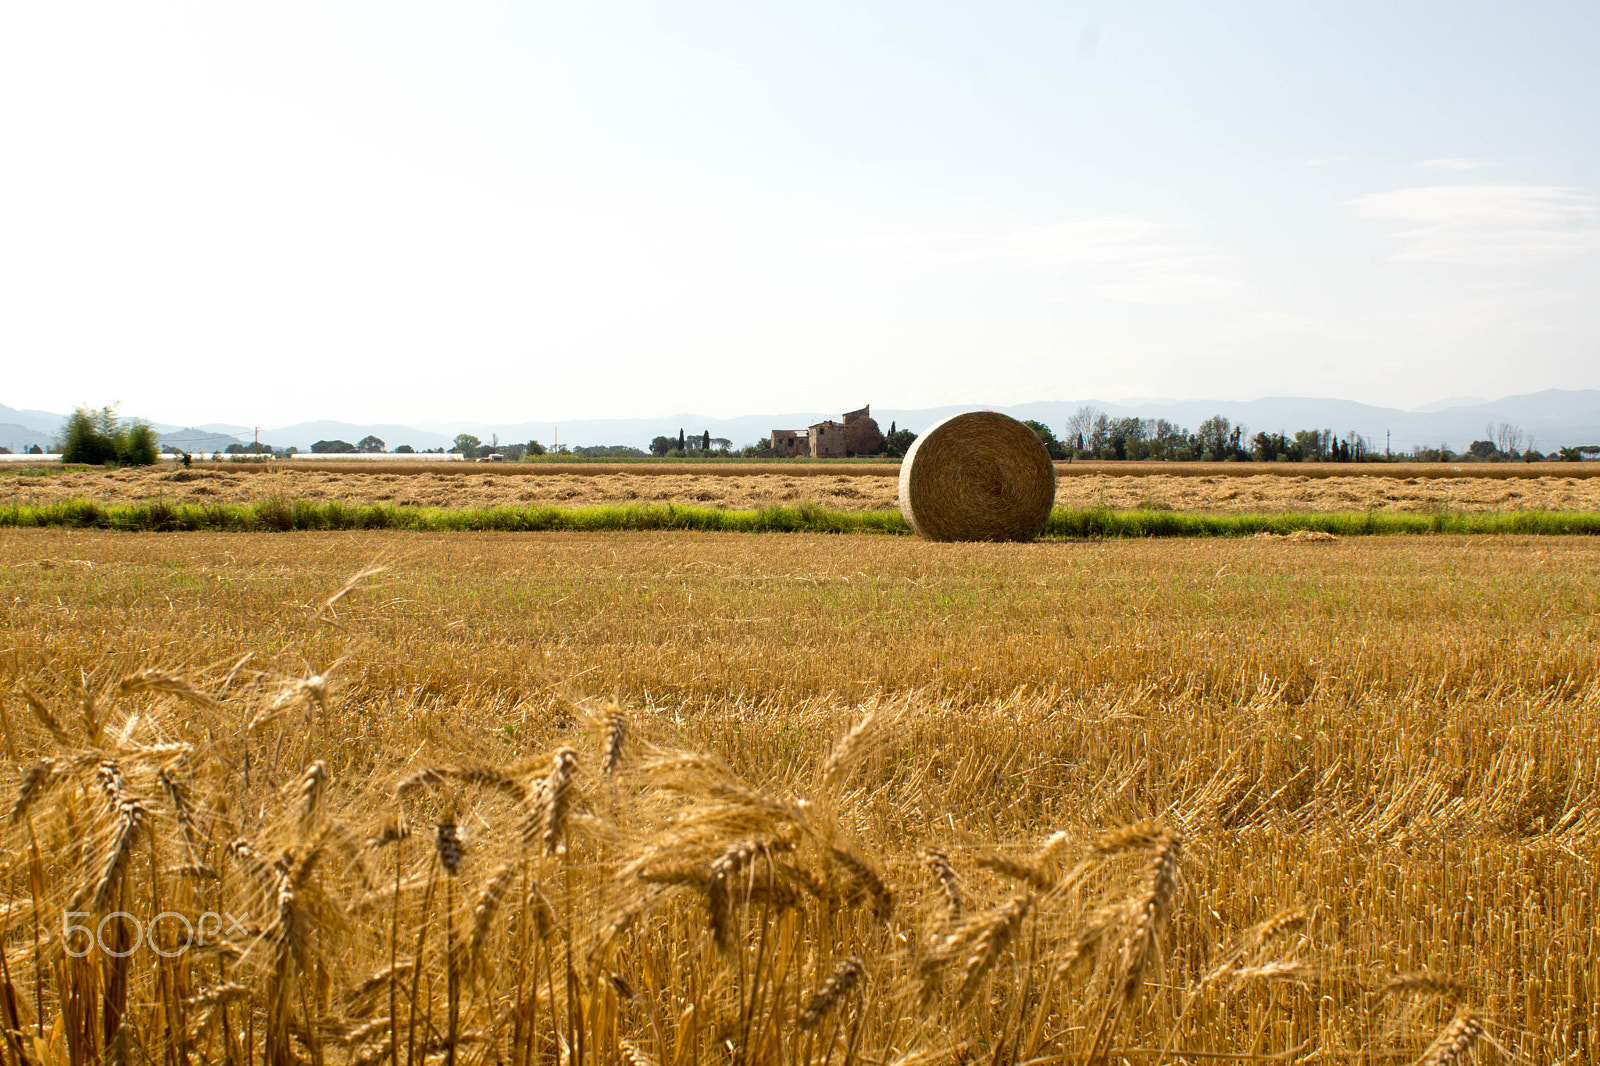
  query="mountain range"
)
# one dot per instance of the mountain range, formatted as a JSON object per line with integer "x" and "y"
{"x": 1549, "y": 419}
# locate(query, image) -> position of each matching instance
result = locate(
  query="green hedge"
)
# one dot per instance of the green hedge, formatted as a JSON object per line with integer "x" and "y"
{"x": 278, "y": 514}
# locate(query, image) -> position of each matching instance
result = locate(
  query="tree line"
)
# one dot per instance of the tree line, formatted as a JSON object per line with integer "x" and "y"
{"x": 1089, "y": 435}
{"x": 98, "y": 436}
{"x": 1092, "y": 434}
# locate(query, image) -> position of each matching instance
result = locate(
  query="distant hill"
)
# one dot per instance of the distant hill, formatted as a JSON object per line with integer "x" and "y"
{"x": 195, "y": 439}
{"x": 303, "y": 434}
{"x": 44, "y": 428}
{"x": 38, "y": 421}
{"x": 1551, "y": 419}
{"x": 20, "y": 438}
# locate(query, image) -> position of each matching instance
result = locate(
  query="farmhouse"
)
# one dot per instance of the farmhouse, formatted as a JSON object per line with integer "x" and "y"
{"x": 858, "y": 434}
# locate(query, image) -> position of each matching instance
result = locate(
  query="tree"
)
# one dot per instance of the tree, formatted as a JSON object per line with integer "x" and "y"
{"x": 469, "y": 446}
{"x": 1313, "y": 445}
{"x": 1507, "y": 438}
{"x": 1099, "y": 439}
{"x": 1165, "y": 440}
{"x": 1080, "y": 426}
{"x": 97, "y": 437}
{"x": 862, "y": 436}
{"x": 338, "y": 447}
{"x": 608, "y": 451}
{"x": 533, "y": 448}
{"x": 1213, "y": 438}
{"x": 405, "y": 449}
{"x": 1124, "y": 439}
{"x": 705, "y": 442}
{"x": 661, "y": 445}
{"x": 370, "y": 444}
{"x": 683, "y": 444}
{"x": 897, "y": 443}
{"x": 1054, "y": 448}
{"x": 722, "y": 444}
{"x": 87, "y": 436}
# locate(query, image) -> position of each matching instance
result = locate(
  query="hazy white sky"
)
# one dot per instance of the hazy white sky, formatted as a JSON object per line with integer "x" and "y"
{"x": 418, "y": 212}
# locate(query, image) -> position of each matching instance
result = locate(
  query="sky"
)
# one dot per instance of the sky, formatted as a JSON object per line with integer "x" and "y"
{"x": 408, "y": 212}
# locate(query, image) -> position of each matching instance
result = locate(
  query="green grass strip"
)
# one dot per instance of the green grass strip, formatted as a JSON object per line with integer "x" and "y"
{"x": 280, "y": 515}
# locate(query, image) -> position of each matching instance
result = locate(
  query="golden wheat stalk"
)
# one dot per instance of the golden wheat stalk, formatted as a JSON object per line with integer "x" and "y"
{"x": 987, "y": 939}
{"x": 944, "y": 872}
{"x": 847, "y": 973}
{"x": 634, "y": 1055}
{"x": 46, "y": 718}
{"x": 1148, "y": 911}
{"x": 555, "y": 800}
{"x": 447, "y": 843}
{"x": 151, "y": 679}
{"x": 1455, "y": 1041}
{"x": 1252, "y": 941}
{"x": 325, "y": 613}
{"x": 1139, "y": 836}
{"x": 36, "y": 783}
{"x": 486, "y": 907}
{"x": 392, "y": 831}
{"x": 290, "y": 929}
{"x": 846, "y": 751}
{"x": 1030, "y": 874}
{"x": 313, "y": 786}
{"x": 1423, "y": 983}
{"x": 130, "y": 817}
{"x": 720, "y": 888}
{"x": 616, "y": 735}
{"x": 861, "y": 880}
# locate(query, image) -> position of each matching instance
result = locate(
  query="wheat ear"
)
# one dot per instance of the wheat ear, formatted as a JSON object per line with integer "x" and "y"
{"x": 949, "y": 884}
{"x": 616, "y": 734}
{"x": 846, "y": 975}
{"x": 1455, "y": 1041}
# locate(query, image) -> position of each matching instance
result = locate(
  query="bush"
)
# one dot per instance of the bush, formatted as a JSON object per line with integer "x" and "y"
{"x": 898, "y": 442}
{"x": 99, "y": 437}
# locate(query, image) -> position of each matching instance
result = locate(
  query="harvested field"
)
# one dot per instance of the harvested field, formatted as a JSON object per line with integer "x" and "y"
{"x": 850, "y": 488}
{"x": 1371, "y": 769}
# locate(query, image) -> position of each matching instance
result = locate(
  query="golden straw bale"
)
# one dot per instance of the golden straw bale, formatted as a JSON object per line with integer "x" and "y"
{"x": 978, "y": 475}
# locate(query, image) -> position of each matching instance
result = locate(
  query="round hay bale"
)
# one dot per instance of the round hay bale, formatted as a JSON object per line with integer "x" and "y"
{"x": 978, "y": 475}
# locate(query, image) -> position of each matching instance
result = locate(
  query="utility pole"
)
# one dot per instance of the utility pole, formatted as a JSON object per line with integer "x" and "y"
{"x": 1386, "y": 453}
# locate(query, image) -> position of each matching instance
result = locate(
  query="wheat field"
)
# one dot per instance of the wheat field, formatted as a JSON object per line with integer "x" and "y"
{"x": 699, "y": 798}
{"x": 1228, "y": 488}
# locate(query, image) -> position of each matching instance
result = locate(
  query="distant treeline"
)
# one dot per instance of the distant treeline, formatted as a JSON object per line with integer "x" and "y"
{"x": 1092, "y": 434}
{"x": 98, "y": 436}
